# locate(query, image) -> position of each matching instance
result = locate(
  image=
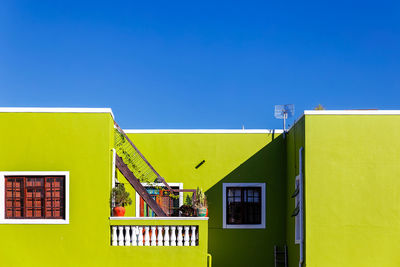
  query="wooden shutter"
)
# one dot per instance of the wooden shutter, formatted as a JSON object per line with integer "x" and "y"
{"x": 14, "y": 196}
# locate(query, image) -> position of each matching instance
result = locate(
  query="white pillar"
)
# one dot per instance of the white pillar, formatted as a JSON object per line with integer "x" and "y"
{"x": 114, "y": 236}
{"x": 180, "y": 237}
{"x": 127, "y": 236}
{"x": 186, "y": 238}
{"x": 159, "y": 236}
{"x": 166, "y": 236}
{"x": 140, "y": 237}
{"x": 193, "y": 239}
{"x": 173, "y": 236}
{"x": 153, "y": 236}
{"x": 120, "y": 235}
{"x": 134, "y": 235}
{"x": 147, "y": 236}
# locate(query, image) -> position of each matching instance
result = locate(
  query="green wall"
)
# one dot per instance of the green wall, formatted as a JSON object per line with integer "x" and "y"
{"x": 352, "y": 190}
{"x": 81, "y": 144}
{"x": 228, "y": 158}
{"x": 295, "y": 139}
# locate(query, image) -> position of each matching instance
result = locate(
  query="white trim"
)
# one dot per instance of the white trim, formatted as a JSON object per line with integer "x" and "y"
{"x": 301, "y": 212}
{"x": 56, "y": 110}
{"x": 345, "y": 112}
{"x": 34, "y": 221}
{"x": 351, "y": 112}
{"x": 243, "y": 226}
{"x": 137, "y": 199}
{"x": 113, "y": 176}
{"x": 159, "y": 218}
{"x": 297, "y": 217}
{"x": 203, "y": 131}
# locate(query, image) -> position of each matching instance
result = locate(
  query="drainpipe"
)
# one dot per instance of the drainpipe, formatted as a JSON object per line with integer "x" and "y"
{"x": 301, "y": 192}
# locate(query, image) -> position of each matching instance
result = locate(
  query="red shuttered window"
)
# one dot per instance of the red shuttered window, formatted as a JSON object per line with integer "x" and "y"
{"x": 35, "y": 197}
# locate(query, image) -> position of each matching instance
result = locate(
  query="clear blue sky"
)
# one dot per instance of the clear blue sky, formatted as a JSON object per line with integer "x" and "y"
{"x": 200, "y": 64}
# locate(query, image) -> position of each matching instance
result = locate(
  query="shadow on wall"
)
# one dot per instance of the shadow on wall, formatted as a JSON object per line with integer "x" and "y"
{"x": 251, "y": 247}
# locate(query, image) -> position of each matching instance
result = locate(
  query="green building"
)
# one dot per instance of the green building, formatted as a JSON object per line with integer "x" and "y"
{"x": 324, "y": 193}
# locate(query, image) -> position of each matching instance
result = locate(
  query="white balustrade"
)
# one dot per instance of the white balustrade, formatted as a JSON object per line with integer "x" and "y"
{"x": 134, "y": 235}
{"x": 127, "y": 236}
{"x": 153, "y": 236}
{"x": 146, "y": 236}
{"x": 114, "y": 236}
{"x": 180, "y": 237}
{"x": 120, "y": 236}
{"x": 166, "y": 236}
{"x": 186, "y": 238}
{"x": 159, "y": 236}
{"x": 140, "y": 238}
{"x": 193, "y": 239}
{"x": 174, "y": 235}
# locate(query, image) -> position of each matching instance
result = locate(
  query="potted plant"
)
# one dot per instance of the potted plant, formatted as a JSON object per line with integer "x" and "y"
{"x": 201, "y": 203}
{"x": 187, "y": 209}
{"x": 120, "y": 198}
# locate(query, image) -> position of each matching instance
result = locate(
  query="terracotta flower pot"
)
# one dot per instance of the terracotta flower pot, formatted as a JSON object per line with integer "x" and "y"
{"x": 119, "y": 211}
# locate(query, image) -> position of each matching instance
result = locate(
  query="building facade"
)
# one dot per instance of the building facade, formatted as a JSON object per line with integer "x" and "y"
{"x": 326, "y": 190}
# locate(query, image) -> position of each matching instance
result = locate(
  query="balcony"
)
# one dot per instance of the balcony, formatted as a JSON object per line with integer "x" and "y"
{"x": 160, "y": 231}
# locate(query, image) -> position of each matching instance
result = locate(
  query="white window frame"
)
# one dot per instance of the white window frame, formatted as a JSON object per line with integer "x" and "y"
{"x": 225, "y": 225}
{"x": 137, "y": 199}
{"x": 297, "y": 217}
{"x": 3, "y": 220}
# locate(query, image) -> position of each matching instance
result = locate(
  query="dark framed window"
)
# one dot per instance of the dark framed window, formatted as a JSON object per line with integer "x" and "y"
{"x": 34, "y": 197}
{"x": 243, "y": 205}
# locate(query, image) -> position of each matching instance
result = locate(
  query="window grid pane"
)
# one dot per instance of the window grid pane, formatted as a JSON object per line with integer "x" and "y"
{"x": 14, "y": 197}
{"x": 243, "y": 205}
{"x": 35, "y": 197}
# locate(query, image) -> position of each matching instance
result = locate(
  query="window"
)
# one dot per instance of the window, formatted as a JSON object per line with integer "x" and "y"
{"x": 34, "y": 197}
{"x": 162, "y": 196}
{"x": 244, "y": 205}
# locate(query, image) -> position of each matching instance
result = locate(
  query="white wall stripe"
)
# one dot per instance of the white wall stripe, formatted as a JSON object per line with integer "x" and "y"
{"x": 203, "y": 131}
{"x": 56, "y": 110}
{"x": 352, "y": 112}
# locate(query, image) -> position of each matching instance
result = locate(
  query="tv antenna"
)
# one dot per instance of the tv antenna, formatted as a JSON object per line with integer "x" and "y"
{"x": 284, "y": 112}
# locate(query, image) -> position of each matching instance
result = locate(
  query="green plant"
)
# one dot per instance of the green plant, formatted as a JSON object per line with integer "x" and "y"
{"x": 186, "y": 211}
{"x": 188, "y": 201}
{"x": 120, "y": 197}
{"x": 201, "y": 199}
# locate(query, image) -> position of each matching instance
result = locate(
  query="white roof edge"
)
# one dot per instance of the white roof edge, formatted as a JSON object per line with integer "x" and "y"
{"x": 57, "y": 110}
{"x": 352, "y": 112}
{"x": 204, "y": 131}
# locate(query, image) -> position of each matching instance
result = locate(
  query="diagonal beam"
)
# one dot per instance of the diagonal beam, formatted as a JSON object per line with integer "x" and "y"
{"x": 127, "y": 173}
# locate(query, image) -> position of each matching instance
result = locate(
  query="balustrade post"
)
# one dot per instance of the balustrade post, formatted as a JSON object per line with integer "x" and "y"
{"x": 140, "y": 237}
{"x": 114, "y": 236}
{"x": 127, "y": 236}
{"x": 173, "y": 236}
{"x": 166, "y": 236}
{"x": 120, "y": 235}
{"x": 193, "y": 239}
{"x": 180, "y": 237}
{"x": 134, "y": 235}
{"x": 159, "y": 236}
{"x": 186, "y": 238}
{"x": 153, "y": 236}
{"x": 147, "y": 236}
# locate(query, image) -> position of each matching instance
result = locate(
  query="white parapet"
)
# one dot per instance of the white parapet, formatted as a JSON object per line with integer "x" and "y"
{"x": 167, "y": 235}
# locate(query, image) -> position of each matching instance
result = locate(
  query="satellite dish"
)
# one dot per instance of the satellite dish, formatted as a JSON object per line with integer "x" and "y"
{"x": 284, "y": 112}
